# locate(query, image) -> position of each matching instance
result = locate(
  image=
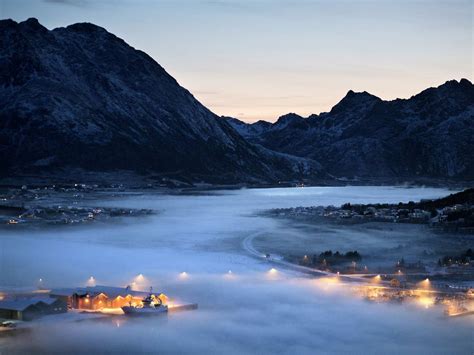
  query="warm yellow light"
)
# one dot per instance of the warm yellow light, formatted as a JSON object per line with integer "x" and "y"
{"x": 376, "y": 279}
{"x": 426, "y": 301}
{"x": 86, "y": 300}
{"x": 326, "y": 282}
{"x": 426, "y": 284}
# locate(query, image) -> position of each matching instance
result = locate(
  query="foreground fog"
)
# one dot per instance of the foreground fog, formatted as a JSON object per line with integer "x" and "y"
{"x": 248, "y": 311}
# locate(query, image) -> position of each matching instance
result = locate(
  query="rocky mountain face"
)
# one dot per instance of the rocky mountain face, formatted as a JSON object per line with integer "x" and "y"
{"x": 79, "y": 97}
{"x": 428, "y": 135}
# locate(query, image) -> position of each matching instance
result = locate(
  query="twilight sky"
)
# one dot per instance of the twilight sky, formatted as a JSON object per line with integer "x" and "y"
{"x": 259, "y": 59}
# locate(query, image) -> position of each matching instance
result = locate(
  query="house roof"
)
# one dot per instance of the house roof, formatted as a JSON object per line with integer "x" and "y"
{"x": 113, "y": 292}
{"x": 63, "y": 292}
{"x": 18, "y": 305}
{"x": 109, "y": 291}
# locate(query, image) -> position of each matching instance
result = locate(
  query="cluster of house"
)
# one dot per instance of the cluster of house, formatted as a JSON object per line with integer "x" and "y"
{"x": 381, "y": 214}
{"x": 371, "y": 212}
{"x": 68, "y": 214}
{"x": 29, "y": 307}
{"x": 443, "y": 214}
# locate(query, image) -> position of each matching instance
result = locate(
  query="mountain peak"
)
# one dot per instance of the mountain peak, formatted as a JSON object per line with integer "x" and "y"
{"x": 462, "y": 88}
{"x": 465, "y": 82}
{"x": 287, "y": 119}
{"x": 85, "y": 27}
{"x": 7, "y": 23}
{"x": 33, "y": 24}
{"x": 353, "y": 100}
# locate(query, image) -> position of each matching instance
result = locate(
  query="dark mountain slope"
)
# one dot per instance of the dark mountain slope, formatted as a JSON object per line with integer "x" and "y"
{"x": 79, "y": 97}
{"x": 429, "y": 135}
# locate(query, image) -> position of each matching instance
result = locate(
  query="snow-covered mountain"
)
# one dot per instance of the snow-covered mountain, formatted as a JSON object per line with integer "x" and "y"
{"x": 428, "y": 135}
{"x": 81, "y": 98}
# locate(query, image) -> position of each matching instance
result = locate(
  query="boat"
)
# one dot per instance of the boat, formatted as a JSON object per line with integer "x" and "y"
{"x": 150, "y": 306}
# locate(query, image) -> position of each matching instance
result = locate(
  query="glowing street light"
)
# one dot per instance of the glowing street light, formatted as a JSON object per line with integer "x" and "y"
{"x": 272, "y": 274}
{"x": 184, "y": 275}
{"x": 229, "y": 275}
{"x": 377, "y": 279}
{"x": 91, "y": 281}
{"x": 426, "y": 284}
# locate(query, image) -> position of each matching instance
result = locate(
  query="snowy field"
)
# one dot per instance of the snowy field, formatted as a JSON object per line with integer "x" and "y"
{"x": 247, "y": 311}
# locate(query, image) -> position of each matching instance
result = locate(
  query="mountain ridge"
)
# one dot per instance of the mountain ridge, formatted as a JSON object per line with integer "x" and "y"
{"x": 80, "y": 97}
{"x": 430, "y": 134}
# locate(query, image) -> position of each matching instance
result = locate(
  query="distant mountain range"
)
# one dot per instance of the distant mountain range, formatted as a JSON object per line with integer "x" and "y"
{"x": 428, "y": 135}
{"x": 80, "y": 99}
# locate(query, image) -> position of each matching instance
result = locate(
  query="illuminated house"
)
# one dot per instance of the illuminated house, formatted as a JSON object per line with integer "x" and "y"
{"x": 30, "y": 308}
{"x": 98, "y": 297}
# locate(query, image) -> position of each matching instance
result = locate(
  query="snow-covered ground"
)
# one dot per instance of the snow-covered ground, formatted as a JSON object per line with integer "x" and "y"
{"x": 247, "y": 311}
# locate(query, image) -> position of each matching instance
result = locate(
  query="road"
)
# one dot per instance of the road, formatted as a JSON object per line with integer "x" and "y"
{"x": 247, "y": 245}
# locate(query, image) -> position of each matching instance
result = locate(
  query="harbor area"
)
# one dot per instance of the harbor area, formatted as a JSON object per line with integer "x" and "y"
{"x": 21, "y": 307}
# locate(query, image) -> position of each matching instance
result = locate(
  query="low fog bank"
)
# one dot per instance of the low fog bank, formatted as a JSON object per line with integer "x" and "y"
{"x": 260, "y": 314}
{"x": 381, "y": 244}
{"x": 247, "y": 311}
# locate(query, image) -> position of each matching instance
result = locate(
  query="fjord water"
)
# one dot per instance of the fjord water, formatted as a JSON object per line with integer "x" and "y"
{"x": 246, "y": 310}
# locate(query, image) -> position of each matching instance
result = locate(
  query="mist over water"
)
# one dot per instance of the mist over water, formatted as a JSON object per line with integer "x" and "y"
{"x": 247, "y": 311}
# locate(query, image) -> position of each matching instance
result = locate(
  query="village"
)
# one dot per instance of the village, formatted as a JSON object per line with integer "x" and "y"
{"x": 20, "y": 308}
{"x": 60, "y": 215}
{"x": 410, "y": 284}
{"x": 445, "y": 217}
{"x": 454, "y": 213}
{"x": 55, "y": 205}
